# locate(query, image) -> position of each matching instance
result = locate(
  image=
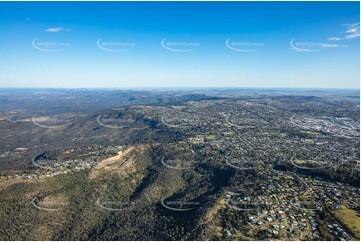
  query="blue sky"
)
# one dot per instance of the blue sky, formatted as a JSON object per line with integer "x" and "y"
{"x": 179, "y": 44}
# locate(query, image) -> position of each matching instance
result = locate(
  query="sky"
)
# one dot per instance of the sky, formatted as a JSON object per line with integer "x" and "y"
{"x": 180, "y": 44}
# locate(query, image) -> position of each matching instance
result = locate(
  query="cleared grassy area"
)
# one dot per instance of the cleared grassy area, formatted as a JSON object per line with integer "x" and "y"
{"x": 309, "y": 132}
{"x": 300, "y": 161}
{"x": 349, "y": 218}
{"x": 201, "y": 136}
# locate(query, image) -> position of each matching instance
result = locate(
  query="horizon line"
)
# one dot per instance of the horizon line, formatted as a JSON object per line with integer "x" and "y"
{"x": 184, "y": 87}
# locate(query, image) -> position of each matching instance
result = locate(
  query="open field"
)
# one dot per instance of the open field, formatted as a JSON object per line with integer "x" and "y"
{"x": 349, "y": 218}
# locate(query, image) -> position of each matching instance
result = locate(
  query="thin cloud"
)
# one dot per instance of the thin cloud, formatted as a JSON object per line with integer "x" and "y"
{"x": 353, "y": 31}
{"x": 56, "y": 30}
{"x": 334, "y": 39}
